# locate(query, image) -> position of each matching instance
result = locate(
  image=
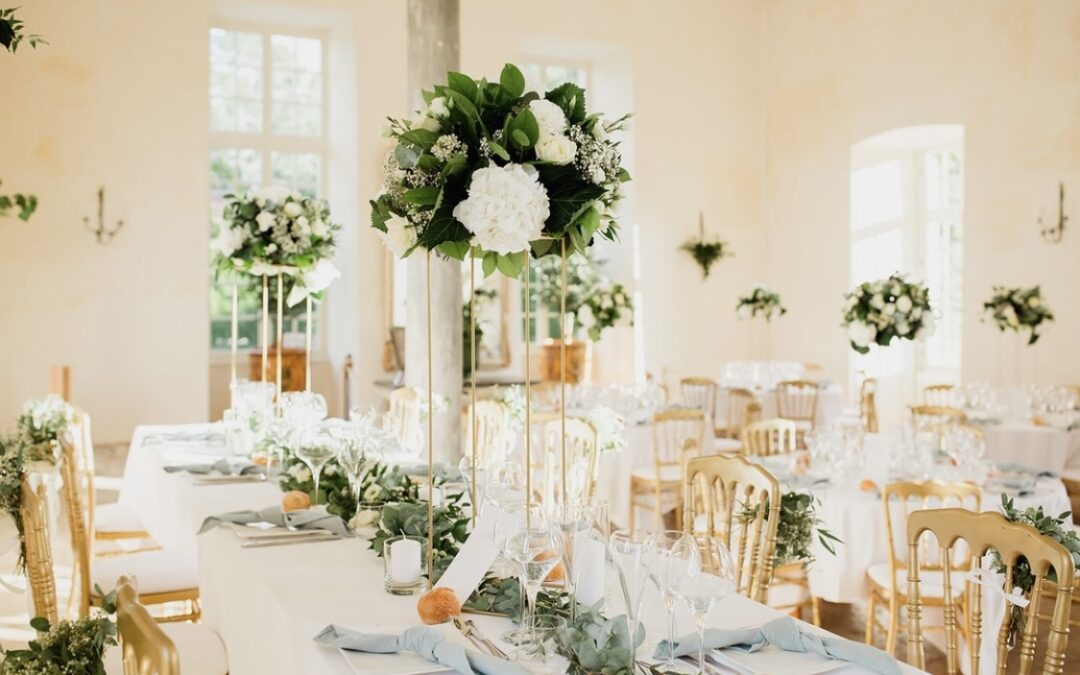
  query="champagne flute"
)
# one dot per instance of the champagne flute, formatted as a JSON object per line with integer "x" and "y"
{"x": 582, "y": 525}
{"x": 316, "y": 450}
{"x": 352, "y": 458}
{"x": 632, "y": 553}
{"x": 709, "y": 574}
{"x": 537, "y": 551}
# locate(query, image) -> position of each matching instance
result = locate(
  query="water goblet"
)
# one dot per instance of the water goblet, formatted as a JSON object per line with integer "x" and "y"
{"x": 582, "y": 524}
{"x": 316, "y": 450}
{"x": 631, "y": 552}
{"x": 537, "y": 551}
{"x": 671, "y": 560}
{"x": 709, "y": 574}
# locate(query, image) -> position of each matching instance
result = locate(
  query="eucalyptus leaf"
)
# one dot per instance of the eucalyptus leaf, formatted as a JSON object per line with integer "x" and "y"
{"x": 512, "y": 80}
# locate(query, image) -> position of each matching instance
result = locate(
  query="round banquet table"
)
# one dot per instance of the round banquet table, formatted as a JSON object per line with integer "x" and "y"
{"x": 830, "y": 404}
{"x": 1045, "y": 448}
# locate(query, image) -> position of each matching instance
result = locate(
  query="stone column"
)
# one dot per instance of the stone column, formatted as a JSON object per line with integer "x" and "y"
{"x": 433, "y": 43}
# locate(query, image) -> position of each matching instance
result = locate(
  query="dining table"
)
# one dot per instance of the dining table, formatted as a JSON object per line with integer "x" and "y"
{"x": 1042, "y": 446}
{"x": 267, "y": 603}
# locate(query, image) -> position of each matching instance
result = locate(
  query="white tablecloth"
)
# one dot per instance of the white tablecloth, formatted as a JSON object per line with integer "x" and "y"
{"x": 1041, "y": 447}
{"x": 830, "y": 403}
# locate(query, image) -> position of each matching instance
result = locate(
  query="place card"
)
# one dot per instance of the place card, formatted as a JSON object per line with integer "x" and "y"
{"x": 472, "y": 562}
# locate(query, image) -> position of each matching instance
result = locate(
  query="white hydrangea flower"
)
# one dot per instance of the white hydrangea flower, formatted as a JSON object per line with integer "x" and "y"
{"x": 878, "y": 301}
{"x": 549, "y": 117}
{"x": 319, "y": 228}
{"x": 399, "y": 237}
{"x": 889, "y": 309}
{"x": 293, "y": 209}
{"x": 557, "y": 149}
{"x": 265, "y": 220}
{"x": 231, "y": 240}
{"x": 506, "y": 208}
{"x": 861, "y": 334}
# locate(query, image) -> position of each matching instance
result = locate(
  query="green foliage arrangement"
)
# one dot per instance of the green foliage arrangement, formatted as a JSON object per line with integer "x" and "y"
{"x": 879, "y": 311}
{"x": 1017, "y": 309}
{"x": 68, "y": 648}
{"x": 381, "y": 484}
{"x": 492, "y": 167}
{"x": 705, "y": 252}
{"x": 13, "y": 32}
{"x": 795, "y": 532}
{"x": 596, "y": 302}
{"x": 760, "y": 301}
{"x": 594, "y": 643}
{"x": 411, "y": 518}
{"x": 25, "y": 204}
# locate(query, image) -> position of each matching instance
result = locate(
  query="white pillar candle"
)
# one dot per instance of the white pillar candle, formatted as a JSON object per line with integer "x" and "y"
{"x": 405, "y": 561}
{"x": 590, "y": 564}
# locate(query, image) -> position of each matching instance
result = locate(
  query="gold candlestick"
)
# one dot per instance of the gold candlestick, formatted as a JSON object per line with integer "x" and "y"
{"x": 472, "y": 379}
{"x": 562, "y": 368}
{"x": 280, "y": 332}
{"x": 235, "y": 324}
{"x": 431, "y": 429}
{"x": 307, "y": 349}
{"x": 265, "y": 325}
{"x": 528, "y": 401}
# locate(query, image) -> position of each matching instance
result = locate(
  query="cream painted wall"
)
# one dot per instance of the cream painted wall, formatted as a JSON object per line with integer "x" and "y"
{"x": 838, "y": 71}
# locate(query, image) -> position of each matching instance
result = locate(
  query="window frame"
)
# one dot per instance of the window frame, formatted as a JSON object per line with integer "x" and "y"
{"x": 265, "y": 142}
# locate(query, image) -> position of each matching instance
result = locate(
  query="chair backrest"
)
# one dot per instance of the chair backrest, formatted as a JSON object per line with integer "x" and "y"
{"x": 404, "y": 414}
{"x": 868, "y": 405}
{"x": 700, "y": 393}
{"x": 982, "y": 532}
{"x": 34, "y": 509}
{"x": 769, "y": 437}
{"x": 934, "y": 418}
{"x": 738, "y": 409}
{"x": 145, "y": 648}
{"x": 940, "y": 395}
{"x": 581, "y": 460}
{"x": 78, "y": 484}
{"x": 957, "y": 432}
{"x": 677, "y": 434}
{"x": 797, "y": 400}
{"x": 741, "y": 504}
{"x": 490, "y": 434}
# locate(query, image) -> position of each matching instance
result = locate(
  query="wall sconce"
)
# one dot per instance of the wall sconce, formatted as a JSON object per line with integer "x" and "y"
{"x": 102, "y": 234}
{"x": 1053, "y": 233}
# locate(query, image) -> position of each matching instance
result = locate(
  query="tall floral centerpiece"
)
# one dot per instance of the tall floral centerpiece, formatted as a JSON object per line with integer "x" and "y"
{"x": 760, "y": 301}
{"x": 879, "y": 311}
{"x": 492, "y": 171}
{"x": 278, "y": 233}
{"x": 1017, "y": 309}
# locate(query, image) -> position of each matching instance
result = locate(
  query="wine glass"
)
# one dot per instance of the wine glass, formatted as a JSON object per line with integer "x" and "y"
{"x": 632, "y": 553}
{"x": 537, "y": 551}
{"x": 672, "y": 558}
{"x": 582, "y": 524}
{"x": 505, "y": 484}
{"x": 352, "y": 458}
{"x": 468, "y": 467}
{"x": 316, "y": 450}
{"x": 303, "y": 409}
{"x": 708, "y": 575}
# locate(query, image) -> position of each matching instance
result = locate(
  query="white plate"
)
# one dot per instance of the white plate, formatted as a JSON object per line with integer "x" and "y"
{"x": 774, "y": 661}
{"x": 390, "y": 664}
{"x": 267, "y": 531}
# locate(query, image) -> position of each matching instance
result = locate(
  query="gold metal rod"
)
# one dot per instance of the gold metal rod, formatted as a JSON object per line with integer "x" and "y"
{"x": 307, "y": 349}
{"x": 430, "y": 431}
{"x": 235, "y": 321}
{"x": 562, "y": 368}
{"x": 528, "y": 399}
{"x": 280, "y": 332}
{"x": 265, "y": 327}
{"x": 472, "y": 379}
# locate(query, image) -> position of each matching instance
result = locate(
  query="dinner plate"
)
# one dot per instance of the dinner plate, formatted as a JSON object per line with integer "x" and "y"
{"x": 771, "y": 660}
{"x": 267, "y": 531}
{"x": 390, "y": 664}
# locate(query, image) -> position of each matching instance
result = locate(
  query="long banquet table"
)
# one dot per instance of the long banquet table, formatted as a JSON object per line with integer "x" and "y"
{"x": 267, "y": 603}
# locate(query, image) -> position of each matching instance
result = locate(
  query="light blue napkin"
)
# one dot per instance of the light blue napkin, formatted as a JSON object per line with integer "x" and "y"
{"x": 1025, "y": 469}
{"x": 306, "y": 519}
{"x": 788, "y": 635}
{"x": 223, "y": 466}
{"x": 428, "y": 642}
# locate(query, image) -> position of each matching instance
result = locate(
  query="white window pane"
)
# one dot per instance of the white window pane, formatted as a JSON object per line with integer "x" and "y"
{"x": 234, "y": 170}
{"x": 222, "y": 115}
{"x": 235, "y": 81}
{"x": 283, "y": 52}
{"x": 222, "y": 46}
{"x": 248, "y": 116}
{"x": 876, "y": 256}
{"x": 249, "y": 83}
{"x": 308, "y": 88}
{"x": 283, "y": 85}
{"x": 299, "y": 171}
{"x": 877, "y": 194}
{"x": 309, "y": 55}
{"x": 249, "y": 50}
{"x": 294, "y": 119}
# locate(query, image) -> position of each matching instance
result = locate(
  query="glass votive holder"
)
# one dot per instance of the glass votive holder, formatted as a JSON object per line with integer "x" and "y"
{"x": 367, "y": 517}
{"x": 405, "y": 565}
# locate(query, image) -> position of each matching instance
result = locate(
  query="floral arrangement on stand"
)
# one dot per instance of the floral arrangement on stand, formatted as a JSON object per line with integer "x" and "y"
{"x": 1017, "y": 309}
{"x": 279, "y": 230}
{"x": 798, "y": 526}
{"x": 490, "y": 168}
{"x": 879, "y": 311}
{"x": 595, "y": 302}
{"x": 760, "y": 301}
{"x": 609, "y": 426}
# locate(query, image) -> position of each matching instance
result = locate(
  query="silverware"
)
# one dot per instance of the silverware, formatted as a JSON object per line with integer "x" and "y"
{"x": 295, "y": 534}
{"x": 291, "y": 541}
{"x": 475, "y": 636}
{"x": 227, "y": 480}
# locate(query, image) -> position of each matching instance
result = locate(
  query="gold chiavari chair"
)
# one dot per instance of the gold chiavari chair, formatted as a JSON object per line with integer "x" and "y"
{"x": 581, "y": 460}
{"x": 34, "y": 509}
{"x": 769, "y": 437}
{"x": 148, "y": 648}
{"x": 677, "y": 434}
{"x": 740, "y": 502}
{"x": 169, "y": 576}
{"x": 982, "y": 532}
{"x": 797, "y": 400}
{"x": 491, "y": 431}
{"x": 940, "y": 395}
{"x": 886, "y": 580}
{"x": 868, "y": 405}
{"x": 700, "y": 393}
{"x": 737, "y": 408}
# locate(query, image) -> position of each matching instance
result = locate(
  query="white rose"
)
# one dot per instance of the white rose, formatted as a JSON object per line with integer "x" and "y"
{"x": 549, "y": 117}
{"x": 399, "y": 236}
{"x": 598, "y": 130}
{"x": 314, "y": 280}
{"x": 302, "y": 475}
{"x": 362, "y": 519}
{"x": 265, "y": 219}
{"x": 319, "y": 228}
{"x": 916, "y": 312}
{"x": 861, "y": 334}
{"x": 878, "y": 301}
{"x": 903, "y": 303}
{"x": 372, "y": 493}
{"x": 902, "y": 328}
{"x": 423, "y": 121}
{"x": 556, "y": 149}
{"x": 889, "y": 309}
{"x": 330, "y": 470}
{"x": 506, "y": 208}
{"x": 585, "y": 317}
{"x": 231, "y": 240}
{"x": 438, "y": 107}
{"x": 293, "y": 209}
{"x": 1033, "y": 301}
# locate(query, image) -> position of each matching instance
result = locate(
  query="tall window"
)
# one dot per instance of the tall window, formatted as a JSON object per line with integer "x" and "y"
{"x": 907, "y": 216}
{"x": 267, "y": 127}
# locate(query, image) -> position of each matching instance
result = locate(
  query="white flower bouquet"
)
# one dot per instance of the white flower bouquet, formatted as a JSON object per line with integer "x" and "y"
{"x": 43, "y": 420}
{"x": 760, "y": 301}
{"x": 608, "y": 305}
{"x": 490, "y": 168}
{"x": 609, "y": 427}
{"x": 879, "y": 311}
{"x": 596, "y": 302}
{"x": 279, "y": 230}
{"x": 1017, "y": 309}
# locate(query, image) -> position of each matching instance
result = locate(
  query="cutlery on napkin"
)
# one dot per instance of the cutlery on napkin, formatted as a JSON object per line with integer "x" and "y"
{"x": 788, "y": 635}
{"x": 426, "y": 641}
{"x": 306, "y": 519}
{"x": 225, "y": 467}
{"x": 264, "y": 543}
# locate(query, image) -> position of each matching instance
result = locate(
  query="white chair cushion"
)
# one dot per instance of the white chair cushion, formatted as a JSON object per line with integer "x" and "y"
{"x": 726, "y": 445}
{"x": 158, "y": 571}
{"x": 116, "y": 518}
{"x": 667, "y": 473}
{"x": 931, "y": 583}
{"x": 201, "y": 650}
{"x": 787, "y": 595}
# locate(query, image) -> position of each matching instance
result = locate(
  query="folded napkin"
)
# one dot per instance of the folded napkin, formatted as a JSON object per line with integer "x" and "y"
{"x": 428, "y": 642}
{"x": 223, "y": 466}
{"x": 307, "y": 519}
{"x": 788, "y": 635}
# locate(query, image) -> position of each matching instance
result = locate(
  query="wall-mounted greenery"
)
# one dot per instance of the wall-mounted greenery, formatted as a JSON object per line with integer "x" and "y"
{"x": 12, "y": 34}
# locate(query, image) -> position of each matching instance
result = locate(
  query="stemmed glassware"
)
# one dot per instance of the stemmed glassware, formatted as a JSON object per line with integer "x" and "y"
{"x": 673, "y": 556}
{"x": 505, "y": 484}
{"x": 631, "y": 552}
{"x": 316, "y": 450}
{"x": 582, "y": 525}
{"x": 352, "y": 458}
{"x": 465, "y": 466}
{"x": 708, "y": 574}
{"x": 536, "y": 550}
